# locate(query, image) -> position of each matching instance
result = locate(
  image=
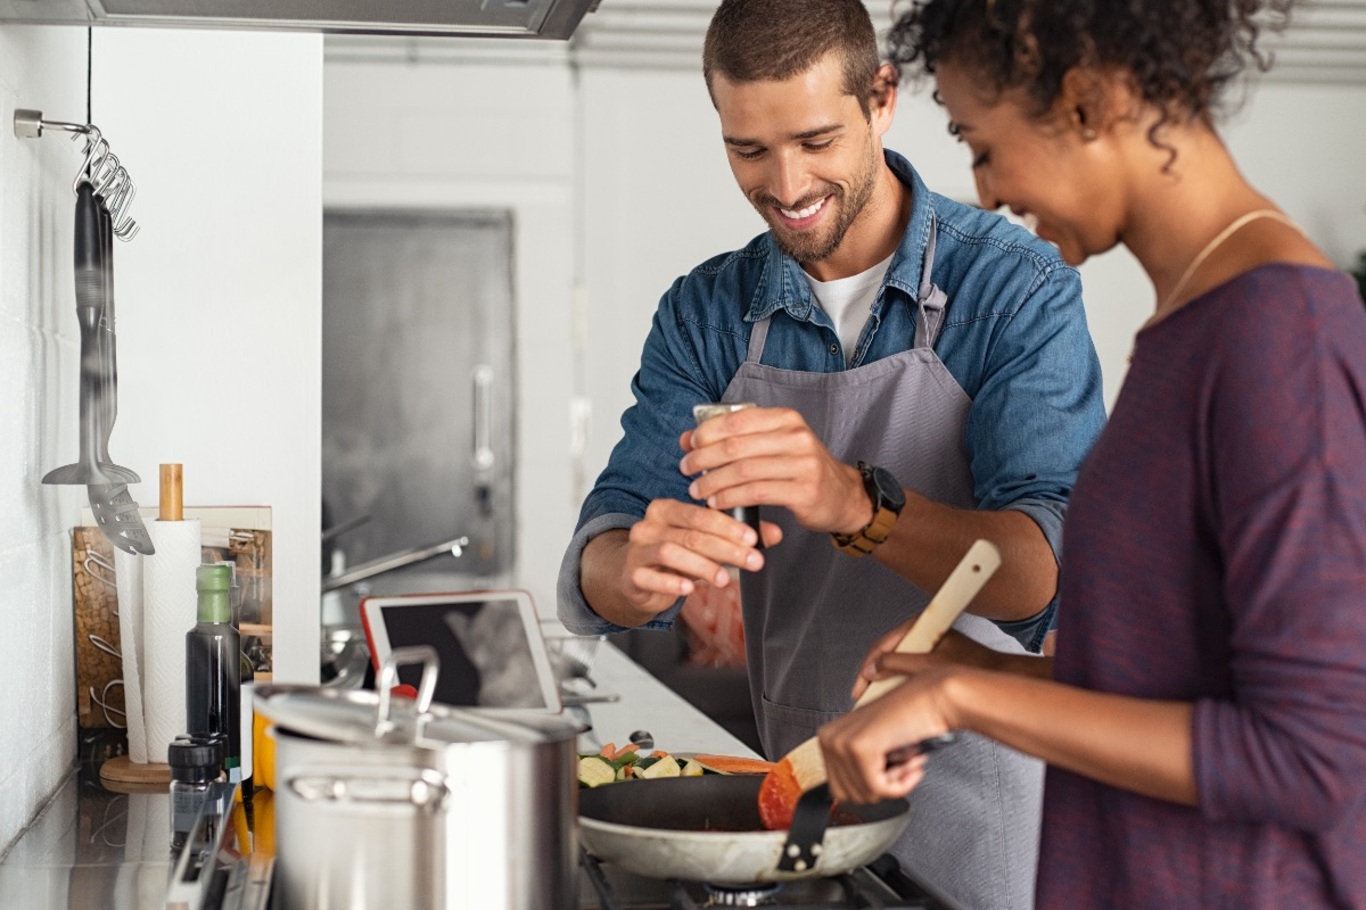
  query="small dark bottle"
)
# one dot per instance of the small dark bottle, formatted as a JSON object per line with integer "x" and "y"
{"x": 195, "y": 763}
{"x": 213, "y": 668}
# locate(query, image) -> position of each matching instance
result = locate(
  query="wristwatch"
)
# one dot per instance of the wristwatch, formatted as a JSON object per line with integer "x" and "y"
{"x": 888, "y": 500}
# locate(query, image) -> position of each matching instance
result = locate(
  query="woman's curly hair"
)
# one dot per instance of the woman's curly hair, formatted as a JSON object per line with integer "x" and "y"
{"x": 1179, "y": 55}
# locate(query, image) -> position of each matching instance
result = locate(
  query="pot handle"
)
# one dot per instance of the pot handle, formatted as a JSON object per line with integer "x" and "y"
{"x": 427, "y": 792}
{"x": 388, "y": 679}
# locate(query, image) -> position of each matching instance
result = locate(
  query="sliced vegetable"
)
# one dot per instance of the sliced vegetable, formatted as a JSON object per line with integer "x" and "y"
{"x": 612, "y": 753}
{"x": 594, "y": 771}
{"x": 661, "y": 767}
{"x": 691, "y": 768}
{"x": 733, "y": 764}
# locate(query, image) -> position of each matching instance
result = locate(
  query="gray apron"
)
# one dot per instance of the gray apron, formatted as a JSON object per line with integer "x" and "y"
{"x": 813, "y": 612}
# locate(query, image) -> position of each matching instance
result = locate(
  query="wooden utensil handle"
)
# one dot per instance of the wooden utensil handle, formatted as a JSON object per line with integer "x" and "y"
{"x": 963, "y": 584}
{"x": 171, "y": 506}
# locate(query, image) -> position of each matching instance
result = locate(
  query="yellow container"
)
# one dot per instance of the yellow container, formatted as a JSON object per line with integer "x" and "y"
{"x": 262, "y": 751}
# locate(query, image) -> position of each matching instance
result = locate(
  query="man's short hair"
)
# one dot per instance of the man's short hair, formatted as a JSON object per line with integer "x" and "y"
{"x": 761, "y": 40}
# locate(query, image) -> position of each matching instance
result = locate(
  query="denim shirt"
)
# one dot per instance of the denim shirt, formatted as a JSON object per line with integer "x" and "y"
{"x": 1014, "y": 337}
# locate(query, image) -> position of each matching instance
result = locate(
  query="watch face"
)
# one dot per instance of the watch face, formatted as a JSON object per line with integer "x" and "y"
{"x": 889, "y": 489}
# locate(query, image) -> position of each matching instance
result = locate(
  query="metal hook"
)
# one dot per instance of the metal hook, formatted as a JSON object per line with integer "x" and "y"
{"x": 96, "y": 150}
{"x": 101, "y": 166}
{"x": 109, "y": 181}
{"x": 104, "y": 172}
{"x": 125, "y": 228}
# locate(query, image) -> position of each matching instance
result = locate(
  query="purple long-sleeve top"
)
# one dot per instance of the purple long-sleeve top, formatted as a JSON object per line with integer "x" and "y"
{"x": 1215, "y": 553}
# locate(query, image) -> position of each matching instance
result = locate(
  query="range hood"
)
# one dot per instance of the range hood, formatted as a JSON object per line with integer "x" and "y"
{"x": 550, "y": 19}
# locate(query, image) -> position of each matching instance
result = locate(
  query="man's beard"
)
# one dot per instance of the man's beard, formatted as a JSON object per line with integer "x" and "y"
{"x": 809, "y": 246}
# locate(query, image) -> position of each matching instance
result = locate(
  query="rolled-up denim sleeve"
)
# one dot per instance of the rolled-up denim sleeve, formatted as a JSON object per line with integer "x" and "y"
{"x": 1036, "y": 415}
{"x": 643, "y": 465}
{"x": 578, "y": 617}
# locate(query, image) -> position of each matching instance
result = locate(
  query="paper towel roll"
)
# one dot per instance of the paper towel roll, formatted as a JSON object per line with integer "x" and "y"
{"x": 128, "y": 571}
{"x": 168, "y": 612}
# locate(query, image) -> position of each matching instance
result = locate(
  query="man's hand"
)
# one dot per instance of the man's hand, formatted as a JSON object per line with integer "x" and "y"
{"x": 769, "y": 456}
{"x": 630, "y": 578}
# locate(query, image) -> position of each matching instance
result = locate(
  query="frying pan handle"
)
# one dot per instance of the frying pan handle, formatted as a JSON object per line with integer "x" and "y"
{"x": 904, "y": 754}
{"x": 388, "y": 678}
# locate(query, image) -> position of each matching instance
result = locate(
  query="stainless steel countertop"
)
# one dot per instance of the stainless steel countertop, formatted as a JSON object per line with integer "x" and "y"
{"x": 95, "y": 849}
{"x": 92, "y": 848}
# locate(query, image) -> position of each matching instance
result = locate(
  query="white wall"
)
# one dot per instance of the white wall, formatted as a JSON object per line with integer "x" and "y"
{"x": 220, "y": 295}
{"x": 219, "y": 299}
{"x": 659, "y": 191}
{"x": 626, "y": 173}
{"x": 494, "y": 137}
{"x": 41, "y": 68}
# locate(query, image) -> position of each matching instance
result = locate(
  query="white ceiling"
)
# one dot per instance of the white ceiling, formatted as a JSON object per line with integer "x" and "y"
{"x": 1325, "y": 43}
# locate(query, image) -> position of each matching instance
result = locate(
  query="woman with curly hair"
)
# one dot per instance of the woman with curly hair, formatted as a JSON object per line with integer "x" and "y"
{"x": 1204, "y": 718}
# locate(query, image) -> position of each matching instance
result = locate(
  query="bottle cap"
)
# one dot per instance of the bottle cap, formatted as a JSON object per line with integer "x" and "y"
{"x": 195, "y": 760}
{"x": 214, "y": 582}
{"x": 214, "y": 576}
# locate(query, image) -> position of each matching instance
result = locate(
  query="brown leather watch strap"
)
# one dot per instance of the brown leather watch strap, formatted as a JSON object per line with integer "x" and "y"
{"x": 867, "y": 540}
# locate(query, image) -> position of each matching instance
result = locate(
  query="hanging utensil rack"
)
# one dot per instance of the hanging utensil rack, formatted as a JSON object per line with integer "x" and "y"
{"x": 101, "y": 167}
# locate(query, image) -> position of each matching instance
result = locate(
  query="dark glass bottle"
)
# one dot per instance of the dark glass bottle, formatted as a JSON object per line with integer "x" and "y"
{"x": 213, "y": 668}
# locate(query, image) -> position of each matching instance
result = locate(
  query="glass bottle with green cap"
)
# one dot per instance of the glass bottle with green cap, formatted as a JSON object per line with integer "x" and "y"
{"x": 213, "y": 653}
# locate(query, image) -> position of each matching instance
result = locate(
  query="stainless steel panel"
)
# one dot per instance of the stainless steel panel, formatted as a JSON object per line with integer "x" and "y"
{"x": 418, "y": 392}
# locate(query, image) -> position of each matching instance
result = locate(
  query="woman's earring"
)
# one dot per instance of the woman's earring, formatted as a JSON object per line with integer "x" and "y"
{"x": 1088, "y": 134}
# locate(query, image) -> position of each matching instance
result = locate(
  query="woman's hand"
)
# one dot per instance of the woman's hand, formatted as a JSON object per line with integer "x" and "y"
{"x": 954, "y": 648}
{"x": 856, "y": 745}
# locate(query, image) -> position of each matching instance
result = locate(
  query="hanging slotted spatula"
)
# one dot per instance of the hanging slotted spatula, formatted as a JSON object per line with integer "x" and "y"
{"x": 802, "y": 770}
{"x": 89, "y": 308}
{"x": 115, "y": 511}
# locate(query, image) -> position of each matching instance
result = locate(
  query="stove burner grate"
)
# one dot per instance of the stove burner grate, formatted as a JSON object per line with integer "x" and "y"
{"x": 881, "y": 884}
{"x": 741, "y": 895}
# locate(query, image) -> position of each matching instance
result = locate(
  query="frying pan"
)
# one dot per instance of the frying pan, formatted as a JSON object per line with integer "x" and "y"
{"x": 708, "y": 829}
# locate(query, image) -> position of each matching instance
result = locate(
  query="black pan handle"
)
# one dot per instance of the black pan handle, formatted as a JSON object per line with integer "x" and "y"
{"x": 807, "y": 834}
{"x": 812, "y": 815}
{"x": 905, "y": 753}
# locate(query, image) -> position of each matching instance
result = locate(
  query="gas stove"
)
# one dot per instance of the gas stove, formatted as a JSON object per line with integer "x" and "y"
{"x": 880, "y": 884}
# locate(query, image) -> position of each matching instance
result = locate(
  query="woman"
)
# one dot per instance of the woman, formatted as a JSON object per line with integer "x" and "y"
{"x": 1204, "y": 719}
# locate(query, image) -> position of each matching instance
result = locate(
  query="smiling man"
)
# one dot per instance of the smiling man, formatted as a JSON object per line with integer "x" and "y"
{"x": 923, "y": 377}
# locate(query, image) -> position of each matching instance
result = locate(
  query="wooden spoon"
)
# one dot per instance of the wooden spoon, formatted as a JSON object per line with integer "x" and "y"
{"x": 804, "y": 767}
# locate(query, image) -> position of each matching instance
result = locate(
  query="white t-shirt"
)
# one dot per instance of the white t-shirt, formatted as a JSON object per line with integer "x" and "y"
{"x": 847, "y": 302}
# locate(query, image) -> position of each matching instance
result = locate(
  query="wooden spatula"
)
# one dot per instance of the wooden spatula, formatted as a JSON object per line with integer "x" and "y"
{"x": 804, "y": 767}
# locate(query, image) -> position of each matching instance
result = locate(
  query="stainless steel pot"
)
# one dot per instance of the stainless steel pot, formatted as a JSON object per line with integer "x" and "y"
{"x": 380, "y": 803}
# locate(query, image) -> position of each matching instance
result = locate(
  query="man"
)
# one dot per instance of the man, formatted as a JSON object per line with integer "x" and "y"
{"x": 924, "y": 378}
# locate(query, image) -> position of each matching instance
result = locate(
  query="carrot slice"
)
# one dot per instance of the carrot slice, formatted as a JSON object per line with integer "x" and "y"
{"x": 734, "y": 764}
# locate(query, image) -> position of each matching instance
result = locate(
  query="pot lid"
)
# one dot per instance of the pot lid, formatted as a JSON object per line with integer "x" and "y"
{"x": 363, "y": 718}
{"x": 358, "y": 717}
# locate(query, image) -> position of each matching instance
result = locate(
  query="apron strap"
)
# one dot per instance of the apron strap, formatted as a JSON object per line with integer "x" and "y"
{"x": 932, "y": 300}
{"x": 757, "y": 337}
{"x": 932, "y": 303}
